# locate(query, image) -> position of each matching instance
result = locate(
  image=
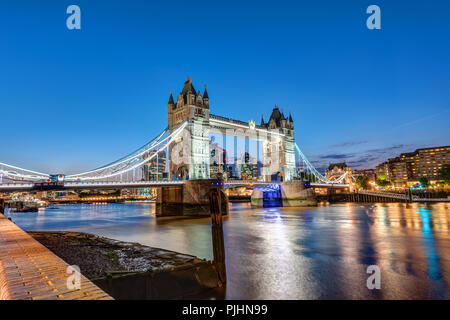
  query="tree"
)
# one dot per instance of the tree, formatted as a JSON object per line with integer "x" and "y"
{"x": 246, "y": 171}
{"x": 382, "y": 182}
{"x": 362, "y": 182}
{"x": 444, "y": 174}
{"x": 308, "y": 176}
{"x": 424, "y": 182}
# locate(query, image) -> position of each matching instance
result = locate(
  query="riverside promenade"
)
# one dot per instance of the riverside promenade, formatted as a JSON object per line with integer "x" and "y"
{"x": 29, "y": 271}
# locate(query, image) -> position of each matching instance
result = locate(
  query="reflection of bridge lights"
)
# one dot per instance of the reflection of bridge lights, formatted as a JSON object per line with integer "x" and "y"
{"x": 274, "y": 215}
{"x": 429, "y": 244}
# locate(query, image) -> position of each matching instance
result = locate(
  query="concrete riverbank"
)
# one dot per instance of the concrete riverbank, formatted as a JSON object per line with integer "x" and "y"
{"x": 128, "y": 270}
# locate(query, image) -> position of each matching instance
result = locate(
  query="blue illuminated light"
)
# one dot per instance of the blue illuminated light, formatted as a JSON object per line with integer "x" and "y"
{"x": 429, "y": 245}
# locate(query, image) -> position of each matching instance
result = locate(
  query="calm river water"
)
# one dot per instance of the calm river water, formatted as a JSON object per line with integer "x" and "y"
{"x": 290, "y": 253}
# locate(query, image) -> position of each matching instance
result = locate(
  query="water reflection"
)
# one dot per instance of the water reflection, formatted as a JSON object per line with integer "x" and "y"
{"x": 429, "y": 248}
{"x": 290, "y": 253}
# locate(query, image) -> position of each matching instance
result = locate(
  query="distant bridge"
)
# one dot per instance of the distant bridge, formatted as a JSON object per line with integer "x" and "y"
{"x": 399, "y": 196}
{"x": 390, "y": 195}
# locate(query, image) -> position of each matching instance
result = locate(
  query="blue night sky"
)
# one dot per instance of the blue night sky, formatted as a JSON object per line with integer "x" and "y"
{"x": 74, "y": 100}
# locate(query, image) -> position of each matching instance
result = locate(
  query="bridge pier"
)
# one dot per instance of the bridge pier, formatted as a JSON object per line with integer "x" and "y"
{"x": 2, "y": 206}
{"x": 292, "y": 194}
{"x": 408, "y": 196}
{"x": 295, "y": 194}
{"x": 257, "y": 198}
{"x": 189, "y": 199}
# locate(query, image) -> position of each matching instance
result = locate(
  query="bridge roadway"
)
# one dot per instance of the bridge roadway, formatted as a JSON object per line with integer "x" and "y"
{"x": 30, "y": 271}
{"x": 73, "y": 185}
{"x": 246, "y": 183}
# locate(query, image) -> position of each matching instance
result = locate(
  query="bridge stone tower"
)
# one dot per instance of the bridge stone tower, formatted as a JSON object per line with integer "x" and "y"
{"x": 189, "y": 156}
{"x": 279, "y": 150}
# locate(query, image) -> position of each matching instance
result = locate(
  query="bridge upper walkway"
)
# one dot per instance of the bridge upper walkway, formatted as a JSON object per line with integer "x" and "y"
{"x": 30, "y": 271}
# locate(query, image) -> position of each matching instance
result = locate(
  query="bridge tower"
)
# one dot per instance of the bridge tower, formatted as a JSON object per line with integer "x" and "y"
{"x": 279, "y": 149}
{"x": 349, "y": 180}
{"x": 189, "y": 156}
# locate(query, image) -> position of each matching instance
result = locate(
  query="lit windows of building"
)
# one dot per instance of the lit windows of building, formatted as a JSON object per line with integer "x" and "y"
{"x": 406, "y": 169}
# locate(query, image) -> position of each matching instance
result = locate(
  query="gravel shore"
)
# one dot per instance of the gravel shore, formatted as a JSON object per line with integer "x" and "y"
{"x": 96, "y": 256}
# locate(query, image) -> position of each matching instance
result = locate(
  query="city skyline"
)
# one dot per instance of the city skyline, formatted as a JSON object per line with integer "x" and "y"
{"x": 87, "y": 97}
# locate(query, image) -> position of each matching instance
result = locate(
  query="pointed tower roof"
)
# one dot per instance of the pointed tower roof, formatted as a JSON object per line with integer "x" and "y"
{"x": 276, "y": 116}
{"x": 205, "y": 93}
{"x": 290, "y": 117}
{"x": 171, "y": 97}
{"x": 188, "y": 87}
{"x": 262, "y": 120}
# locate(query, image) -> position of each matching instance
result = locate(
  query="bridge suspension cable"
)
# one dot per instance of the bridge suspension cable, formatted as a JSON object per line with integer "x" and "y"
{"x": 15, "y": 173}
{"x": 316, "y": 173}
{"x": 146, "y": 146}
{"x": 135, "y": 154}
{"x": 132, "y": 161}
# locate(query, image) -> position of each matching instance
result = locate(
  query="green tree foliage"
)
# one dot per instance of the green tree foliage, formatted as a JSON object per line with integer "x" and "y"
{"x": 424, "y": 182}
{"x": 308, "y": 177}
{"x": 246, "y": 170}
{"x": 382, "y": 182}
{"x": 444, "y": 174}
{"x": 362, "y": 182}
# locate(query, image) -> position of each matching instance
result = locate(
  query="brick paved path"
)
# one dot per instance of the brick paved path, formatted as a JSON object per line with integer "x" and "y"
{"x": 30, "y": 271}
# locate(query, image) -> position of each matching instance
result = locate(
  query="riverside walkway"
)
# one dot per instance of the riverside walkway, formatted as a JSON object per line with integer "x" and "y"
{"x": 29, "y": 271}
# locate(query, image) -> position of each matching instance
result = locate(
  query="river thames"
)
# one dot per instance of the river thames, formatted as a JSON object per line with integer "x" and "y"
{"x": 290, "y": 253}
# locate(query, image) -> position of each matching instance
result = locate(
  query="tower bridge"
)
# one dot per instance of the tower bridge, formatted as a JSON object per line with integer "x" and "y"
{"x": 276, "y": 137}
{"x": 183, "y": 162}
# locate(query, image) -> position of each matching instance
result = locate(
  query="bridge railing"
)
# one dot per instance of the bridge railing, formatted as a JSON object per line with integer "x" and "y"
{"x": 119, "y": 183}
{"x": 16, "y": 185}
{"x": 383, "y": 194}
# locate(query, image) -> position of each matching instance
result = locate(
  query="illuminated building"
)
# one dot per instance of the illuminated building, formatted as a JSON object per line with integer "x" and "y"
{"x": 336, "y": 170}
{"x": 369, "y": 173}
{"x": 406, "y": 169}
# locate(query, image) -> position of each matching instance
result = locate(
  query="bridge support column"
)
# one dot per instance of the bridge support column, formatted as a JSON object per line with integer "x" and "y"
{"x": 408, "y": 196}
{"x": 257, "y": 199}
{"x": 216, "y": 195}
{"x": 189, "y": 199}
{"x": 295, "y": 194}
{"x": 2, "y": 206}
